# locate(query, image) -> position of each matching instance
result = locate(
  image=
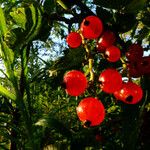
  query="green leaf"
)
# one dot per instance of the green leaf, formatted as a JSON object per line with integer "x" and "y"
{"x": 6, "y": 93}
{"x": 62, "y": 4}
{"x": 28, "y": 21}
{"x": 44, "y": 31}
{"x": 19, "y": 17}
{"x": 34, "y": 18}
{"x": 3, "y": 147}
{"x": 135, "y": 5}
{"x": 15, "y": 39}
{"x": 72, "y": 59}
{"x": 3, "y": 27}
{"x": 55, "y": 124}
{"x": 8, "y": 53}
{"x": 8, "y": 59}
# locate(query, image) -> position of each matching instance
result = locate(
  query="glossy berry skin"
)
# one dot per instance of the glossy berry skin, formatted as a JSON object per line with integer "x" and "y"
{"x": 75, "y": 82}
{"x": 129, "y": 93}
{"x": 110, "y": 80}
{"x": 91, "y": 27}
{"x": 91, "y": 111}
{"x": 74, "y": 39}
{"x": 112, "y": 53}
{"x": 106, "y": 40}
{"x": 135, "y": 52}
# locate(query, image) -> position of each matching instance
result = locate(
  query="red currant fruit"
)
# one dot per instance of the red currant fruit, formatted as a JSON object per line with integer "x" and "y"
{"x": 106, "y": 40}
{"x": 110, "y": 80}
{"x": 100, "y": 48}
{"x": 91, "y": 27}
{"x": 135, "y": 52}
{"x": 134, "y": 69}
{"x": 91, "y": 111}
{"x": 145, "y": 65}
{"x": 112, "y": 53}
{"x": 74, "y": 39}
{"x": 129, "y": 93}
{"x": 75, "y": 82}
{"x": 98, "y": 138}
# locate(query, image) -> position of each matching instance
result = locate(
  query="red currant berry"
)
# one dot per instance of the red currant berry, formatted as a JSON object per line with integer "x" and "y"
{"x": 134, "y": 69}
{"x": 91, "y": 27}
{"x": 75, "y": 82}
{"x": 100, "y": 48}
{"x": 112, "y": 53}
{"x": 110, "y": 80}
{"x": 145, "y": 65}
{"x": 106, "y": 40}
{"x": 74, "y": 39}
{"x": 129, "y": 93}
{"x": 98, "y": 138}
{"x": 135, "y": 52}
{"x": 91, "y": 111}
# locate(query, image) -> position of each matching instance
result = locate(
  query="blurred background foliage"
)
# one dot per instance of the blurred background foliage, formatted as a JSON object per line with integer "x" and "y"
{"x": 35, "y": 111}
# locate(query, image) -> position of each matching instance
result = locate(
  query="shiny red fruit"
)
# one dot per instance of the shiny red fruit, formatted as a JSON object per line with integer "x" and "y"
{"x": 135, "y": 52}
{"x": 91, "y": 111}
{"x": 112, "y": 53}
{"x": 106, "y": 40}
{"x": 91, "y": 27}
{"x": 110, "y": 80}
{"x": 74, "y": 39}
{"x": 75, "y": 82}
{"x": 129, "y": 93}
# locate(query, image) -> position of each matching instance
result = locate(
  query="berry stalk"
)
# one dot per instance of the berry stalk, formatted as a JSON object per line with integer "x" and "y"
{"x": 90, "y": 59}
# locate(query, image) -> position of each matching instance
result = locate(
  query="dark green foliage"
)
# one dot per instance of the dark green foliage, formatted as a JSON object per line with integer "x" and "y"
{"x": 35, "y": 111}
{"x": 124, "y": 22}
{"x": 67, "y": 3}
{"x": 49, "y": 6}
{"x": 146, "y": 15}
{"x": 105, "y": 14}
{"x": 72, "y": 59}
{"x": 113, "y": 4}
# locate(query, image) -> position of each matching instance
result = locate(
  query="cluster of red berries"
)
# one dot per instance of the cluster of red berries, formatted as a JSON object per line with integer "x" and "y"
{"x": 138, "y": 65}
{"x": 91, "y": 110}
{"x": 92, "y": 28}
{"x": 106, "y": 45}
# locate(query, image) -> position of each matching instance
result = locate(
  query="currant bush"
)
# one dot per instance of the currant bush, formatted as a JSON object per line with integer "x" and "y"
{"x": 91, "y": 111}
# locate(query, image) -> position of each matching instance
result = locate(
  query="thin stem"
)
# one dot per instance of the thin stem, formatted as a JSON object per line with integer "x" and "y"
{"x": 91, "y": 69}
{"x": 89, "y": 57}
